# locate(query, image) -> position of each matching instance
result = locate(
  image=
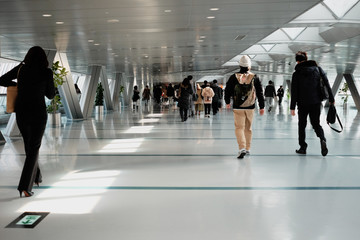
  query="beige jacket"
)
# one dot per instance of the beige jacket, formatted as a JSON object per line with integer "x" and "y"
{"x": 208, "y": 94}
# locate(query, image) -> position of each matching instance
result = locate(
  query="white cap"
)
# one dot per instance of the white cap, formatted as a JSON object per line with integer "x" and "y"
{"x": 245, "y": 61}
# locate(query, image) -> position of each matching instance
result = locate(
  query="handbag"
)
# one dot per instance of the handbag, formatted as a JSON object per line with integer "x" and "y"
{"x": 323, "y": 89}
{"x": 331, "y": 118}
{"x": 11, "y": 95}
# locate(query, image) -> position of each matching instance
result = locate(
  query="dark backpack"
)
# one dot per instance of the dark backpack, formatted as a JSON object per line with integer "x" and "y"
{"x": 244, "y": 91}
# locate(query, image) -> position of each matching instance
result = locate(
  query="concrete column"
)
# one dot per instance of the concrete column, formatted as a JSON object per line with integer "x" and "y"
{"x": 2, "y": 139}
{"x": 67, "y": 91}
{"x": 353, "y": 89}
{"x": 88, "y": 94}
{"x": 115, "y": 89}
{"x": 335, "y": 87}
{"x": 105, "y": 84}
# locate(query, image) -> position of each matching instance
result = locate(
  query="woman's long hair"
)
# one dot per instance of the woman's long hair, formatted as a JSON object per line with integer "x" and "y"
{"x": 186, "y": 82}
{"x": 36, "y": 56}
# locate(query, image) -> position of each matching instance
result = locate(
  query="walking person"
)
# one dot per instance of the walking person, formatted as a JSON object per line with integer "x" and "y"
{"x": 135, "y": 98}
{"x": 34, "y": 82}
{"x": 306, "y": 95}
{"x": 184, "y": 95}
{"x": 217, "y": 97}
{"x": 193, "y": 98}
{"x": 280, "y": 94}
{"x": 208, "y": 95}
{"x": 244, "y": 87}
{"x": 199, "y": 104}
{"x": 270, "y": 95}
{"x": 146, "y": 95}
{"x": 170, "y": 94}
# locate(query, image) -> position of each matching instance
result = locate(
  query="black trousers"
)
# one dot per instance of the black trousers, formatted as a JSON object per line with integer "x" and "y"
{"x": 215, "y": 106}
{"x": 313, "y": 111}
{"x": 183, "y": 113}
{"x": 32, "y": 135}
{"x": 207, "y": 108}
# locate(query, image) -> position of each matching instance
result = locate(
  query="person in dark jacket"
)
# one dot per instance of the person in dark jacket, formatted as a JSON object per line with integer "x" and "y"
{"x": 305, "y": 94}
{"x": 269, "y": 95}
{"x": 34, "y": 82}
{"x": 170, "y": 93}
{"x": 280, "y": 94}
{"x": 244, "y": 113}
{"x": 185, "y": 93}
{"x": 217, "y": 97}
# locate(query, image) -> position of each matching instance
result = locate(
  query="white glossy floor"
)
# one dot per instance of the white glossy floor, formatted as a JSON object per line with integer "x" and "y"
{"x": 148, "y": 176}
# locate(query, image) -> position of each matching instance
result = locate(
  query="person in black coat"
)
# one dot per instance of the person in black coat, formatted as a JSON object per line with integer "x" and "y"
{"x": 34, "y": 82}
{"x": 269, "y": 95}
{"x": 280, "y": 94}
{"x": 306, "y": 95}
{"x": 217, "y": 97}
{"x": 170, "y": 93}
{"x": 185, "y": 93}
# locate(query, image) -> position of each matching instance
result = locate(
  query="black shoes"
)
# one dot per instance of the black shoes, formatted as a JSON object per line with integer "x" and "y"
{"x": 241, "y": 154}
{"x": 324, "y": 150}
{"x": 26, "y": 193}
{"x": 301, "y": 151}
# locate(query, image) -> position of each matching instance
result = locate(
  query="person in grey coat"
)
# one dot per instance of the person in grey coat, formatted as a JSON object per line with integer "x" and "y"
{"x": 185, "y": 93}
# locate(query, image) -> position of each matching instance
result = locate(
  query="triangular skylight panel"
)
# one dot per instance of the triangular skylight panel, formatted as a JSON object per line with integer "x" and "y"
{"x": 255, "y": 49}
{"x": 340, "y": 8}
{"x": 293, "y": 32}
{"x": 319, "y": 13}
{"x": 353, "y": 14}
{"x": 277, "y": 36}
{"x": 251, "y": 56}
{"x": 310, "y": 35}
{"x": 267, "y": 47}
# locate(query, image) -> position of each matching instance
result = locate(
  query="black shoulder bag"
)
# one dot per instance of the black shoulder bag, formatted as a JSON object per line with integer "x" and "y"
{"x": 323, "y": 89}
{"x": 331, "y": 118}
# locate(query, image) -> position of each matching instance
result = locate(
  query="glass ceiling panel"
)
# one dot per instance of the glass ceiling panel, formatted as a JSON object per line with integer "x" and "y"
{"x": 318, "y": 13}
{"x": 277, "y": 36}
{"x": 340, "y": 8}
{"x": 293, "y": 32}
{"x": 267, "y": 47}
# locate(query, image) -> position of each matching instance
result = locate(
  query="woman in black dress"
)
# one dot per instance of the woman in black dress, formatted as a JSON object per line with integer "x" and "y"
{"x": 34, "y": 81}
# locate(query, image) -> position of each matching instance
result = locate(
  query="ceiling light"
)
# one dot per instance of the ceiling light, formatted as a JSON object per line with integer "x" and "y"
{"x": 90, "y": 40}
{"x": 59, "y": 23}
{"x": 214, "y": 9}
{"x": 168, "y": 11}
{"x": 96, "y": 44}
{"x": 46, "y": 15}
{"x": 163, "y": 47}
{"x": 113, "y": 21}
{"x": 202, "y": 37}
{"x": 210, "y": 17}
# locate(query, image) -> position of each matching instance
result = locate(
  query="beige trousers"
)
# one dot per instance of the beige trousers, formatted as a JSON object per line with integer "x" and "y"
{"x": 243, "y": 121}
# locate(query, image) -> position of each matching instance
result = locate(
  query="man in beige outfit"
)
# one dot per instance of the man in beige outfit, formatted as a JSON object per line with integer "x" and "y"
{"x": 244, "y": 87}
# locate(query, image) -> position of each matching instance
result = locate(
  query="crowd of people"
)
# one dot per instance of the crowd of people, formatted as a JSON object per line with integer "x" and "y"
{"x": 242, "y": 90}
{"x": 35, "y": 81}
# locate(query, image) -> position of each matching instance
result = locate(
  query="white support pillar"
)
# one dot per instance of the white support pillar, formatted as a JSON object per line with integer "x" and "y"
{"x": 115, "y": 90}
{"x": 89, "y": 92}
{"x": 105, "y": 84}
{"x": 67, "y": 91}
{"x": 335, "y": 86}
{"x": 353, "y": 89}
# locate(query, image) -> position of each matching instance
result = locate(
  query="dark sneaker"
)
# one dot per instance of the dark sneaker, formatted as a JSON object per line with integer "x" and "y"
{"x": 301, "y": 151}
{"x": 241, "y": 154}
{"x": 324, "y": 150}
